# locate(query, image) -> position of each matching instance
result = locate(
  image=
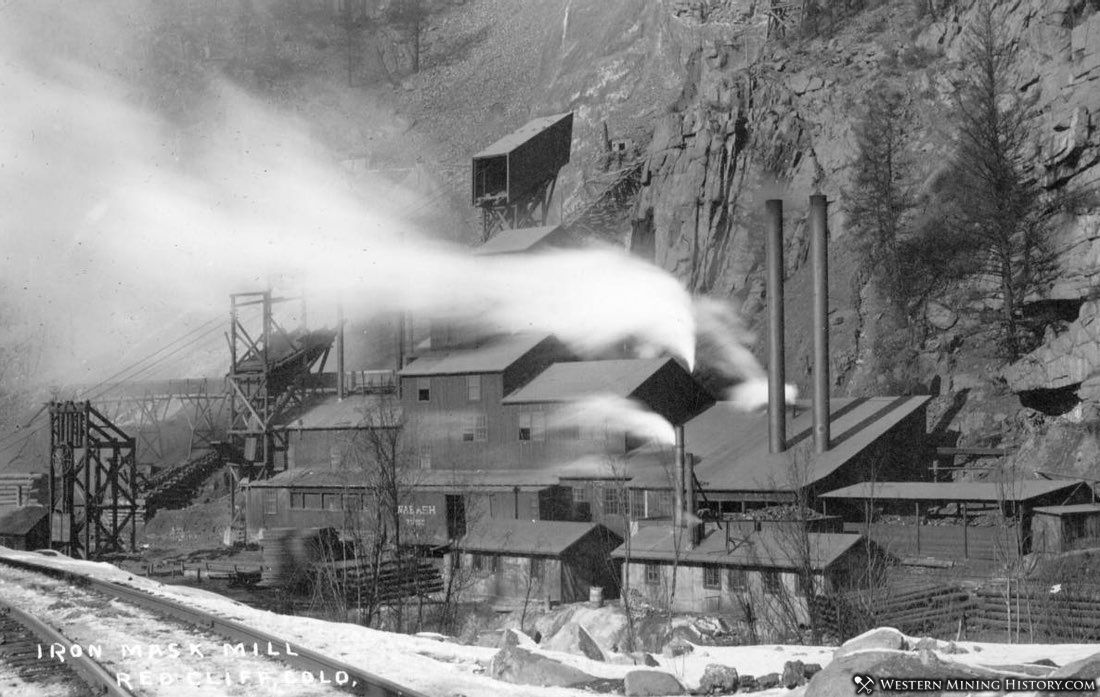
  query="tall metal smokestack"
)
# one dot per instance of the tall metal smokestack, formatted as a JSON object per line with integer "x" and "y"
{"x": 777, "y": 374}
{"x": 340, "y": 387}
{"x": 691, "y": 509}
{"x": 819, "y": 252}
{"x": 400, "y": 340}
{"x": 678, "y": 480}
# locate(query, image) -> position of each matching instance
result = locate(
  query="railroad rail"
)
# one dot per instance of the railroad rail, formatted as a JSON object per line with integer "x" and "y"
{"x": 23, "y": 635}
{"x": 358, "y": 681}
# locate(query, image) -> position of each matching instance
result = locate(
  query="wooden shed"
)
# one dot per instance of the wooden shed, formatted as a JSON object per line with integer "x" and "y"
{"x": 25, "y": 527}
{"x": 511, "y": 562}
{"x": 1063, "y": 528}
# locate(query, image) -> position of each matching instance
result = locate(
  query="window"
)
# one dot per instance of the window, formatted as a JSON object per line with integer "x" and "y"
{"x": 296, "y": 499}
{"x": 614, "y": 501}
{"x": 532, "y": 426}
{"x": 425, "y": 458}
{"x": 271, "y": 503}
{"x": 773, "y": 585}
{"x": 712, "y": 577}
{"x": 311, "y": 500}
{"x": 652, "y": 574}
{"x": 805, "y": 585}
{"x": 580, "y": 494}
{"x": 330, "y": 502}
{"x": 353, "y": 502}
{"x": 658, "y": 504}
{"x": 424, "y": 390}
{"x": 737, "y": 580}
{"x": 477, "y": 562}
{"x": 473, "y": 388}
{"x": 536, "y": 569}
{"x": 475, "y": 428}
{"x": 637, "y": 503}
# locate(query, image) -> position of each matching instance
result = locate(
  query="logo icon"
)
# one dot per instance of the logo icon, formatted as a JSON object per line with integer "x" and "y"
{"x": 865, "y": 684}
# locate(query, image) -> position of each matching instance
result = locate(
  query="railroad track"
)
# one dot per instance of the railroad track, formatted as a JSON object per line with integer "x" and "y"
{"x": 23, "y": 653}
{"x": 338, "y": 674}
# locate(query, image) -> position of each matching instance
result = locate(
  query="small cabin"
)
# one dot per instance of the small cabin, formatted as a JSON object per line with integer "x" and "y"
{"x": 25, "y": 527}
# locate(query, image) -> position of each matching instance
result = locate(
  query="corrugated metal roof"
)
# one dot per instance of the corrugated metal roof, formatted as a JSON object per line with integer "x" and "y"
{"x": 569, "y": 382}
{"x": 763, "y": 549}
{"x": 521, "y": 135}
{"x": 20, "y": 520}
{"x": 731, "y": 446}
{"x": 521, "y": 240}
{"x": 354, "y": 411}
{"x": 493, "y": 357}
{"x": 1021, "y": 490}
{"x": 1072, "y": 509}
{"x": 542, "y": 537}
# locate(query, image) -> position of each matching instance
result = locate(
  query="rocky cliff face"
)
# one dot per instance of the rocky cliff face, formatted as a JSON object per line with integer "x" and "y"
{"x": 759, "y": 119}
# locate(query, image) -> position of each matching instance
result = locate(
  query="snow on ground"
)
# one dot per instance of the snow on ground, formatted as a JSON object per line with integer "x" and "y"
{"x": 11, "y": 685}
{"x": 445, "y": 669}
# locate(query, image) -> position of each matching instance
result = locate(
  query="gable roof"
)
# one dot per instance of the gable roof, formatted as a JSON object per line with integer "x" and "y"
{"x": 523, "y": 240}
{"x": 539, "y": 537}
{"x": 766, "y": 548}
{"x": 662, "y": 384}
{"x": 20, "y": 520}
{"x": 1022, "y": 490}
{"x": 493, "y": 356}
{"x": 731, "y": 446}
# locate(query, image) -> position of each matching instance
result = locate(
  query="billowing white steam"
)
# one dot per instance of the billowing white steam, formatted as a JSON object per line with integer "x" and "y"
{"x": 618, "y": 414}
{"x": 752, "y": 394}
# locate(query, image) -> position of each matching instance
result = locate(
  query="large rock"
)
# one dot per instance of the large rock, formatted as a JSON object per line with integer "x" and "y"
{"x": 719, "y": 680}
{"x": 522, "y": 667}
{"x": 836, "y": 678}
{"x": 678, "y": 647}
{"x": 1068, "y": 359}
{"x": 573, "y": 638}
{"x": 651, "y": 683}
{"x": 881, "y": 638}
{"x": 940, "y": 316}
{"x": 794, "y": 674}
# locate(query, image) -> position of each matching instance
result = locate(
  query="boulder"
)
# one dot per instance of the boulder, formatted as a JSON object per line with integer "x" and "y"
{"x": 719, "y": 680}
{"x": 573, "y": 638}
{"x": 880, "y": 638}
{"x": 641, "y": 658}
{"x": 940, "y": 316}
{"x": 767, "y": 681}
{"x": 511, "y": 638}
{"x": 651, "y": 683}
{"x": 811, "y": 669}
{"x": 1083, "y": 668}
{"x": 794, "y": 674}
{"x": 747, "y": 683}
{"x": 836, "y": 678}
{"x": 522, "y": 667}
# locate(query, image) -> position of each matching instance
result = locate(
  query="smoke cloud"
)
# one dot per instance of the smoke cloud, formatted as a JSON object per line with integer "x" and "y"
{"x": 617, "y": 415}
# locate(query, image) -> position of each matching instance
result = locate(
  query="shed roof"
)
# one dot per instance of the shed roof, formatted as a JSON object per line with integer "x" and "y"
{"x": 351, "y": 412}
{"x": 1021, "y": 490}
{"x": 521, "y": 135}
{"x": 491, "y": 357}
{"x": 538, "y": 537}
{"x": 662, "y": 384}
{"x": 523, "y": 240}
{"x": 766, "y": 548}
{"x": 20, "y": 520}
{"x": 731, "y": 445}
{"x": 1071, "y": 509}
{"x": 525, "y": 480}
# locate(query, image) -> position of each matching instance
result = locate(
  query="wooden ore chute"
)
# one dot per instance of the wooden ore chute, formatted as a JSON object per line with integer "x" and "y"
{"x": 93, "y": 482}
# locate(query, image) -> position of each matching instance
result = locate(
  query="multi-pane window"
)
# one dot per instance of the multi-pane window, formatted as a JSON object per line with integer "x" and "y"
{"x": 330, "y": 502}
{"x": 296, "y": 499}
{"x": 536, "y": 569}
{"x": 580, "y": 494}
{"x": 475, "y": 428}
{"x": 271, "y": 503}
{"x": 614, "y": 501}
{"x": 424, "y": 390}
{"x": 532, "y": 426}
{"x": 737, "y": 580}
{"x": 652, "y": 574}
{"x": 773, "y": 585}
{"x": 712, "y": 577}
{"x": 637, "y": 503}
{"x": 473, "y": 388}
{"x": 659, "y": 504}
{"x": 311, "y": 500}
{"x": 425, "y": 456}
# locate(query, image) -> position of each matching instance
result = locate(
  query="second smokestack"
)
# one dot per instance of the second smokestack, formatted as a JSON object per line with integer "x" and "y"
{"x": 777, "y": 374}
{"x": 819, "y": 252}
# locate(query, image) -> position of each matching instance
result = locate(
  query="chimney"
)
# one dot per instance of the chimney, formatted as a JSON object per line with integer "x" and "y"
{"x": 777, "y": 377}
{"x": 399, "y": 340}
{"x": 819, "y": 253}
{"x": 340, "y": 388}
{"x": 678, "y": 480}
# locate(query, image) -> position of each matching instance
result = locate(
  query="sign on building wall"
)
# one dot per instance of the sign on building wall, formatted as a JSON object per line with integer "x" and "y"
{"x": 423, "y": 516}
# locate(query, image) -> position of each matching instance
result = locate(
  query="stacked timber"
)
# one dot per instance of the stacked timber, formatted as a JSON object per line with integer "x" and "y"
{"x": 1035, "y": 611}
{"x": 290, "y": 554}
{"x": 934, "y": 609}
{"x": 23, "y": 489}
{"x": 387, "y": 581}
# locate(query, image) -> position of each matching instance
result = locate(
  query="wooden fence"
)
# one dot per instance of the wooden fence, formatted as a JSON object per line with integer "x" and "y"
{"x": 1000, "y": 610}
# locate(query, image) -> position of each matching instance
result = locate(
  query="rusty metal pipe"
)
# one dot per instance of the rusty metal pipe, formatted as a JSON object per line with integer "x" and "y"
{"x": 777, "y": 375}
{"x": 819, "y": 253}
